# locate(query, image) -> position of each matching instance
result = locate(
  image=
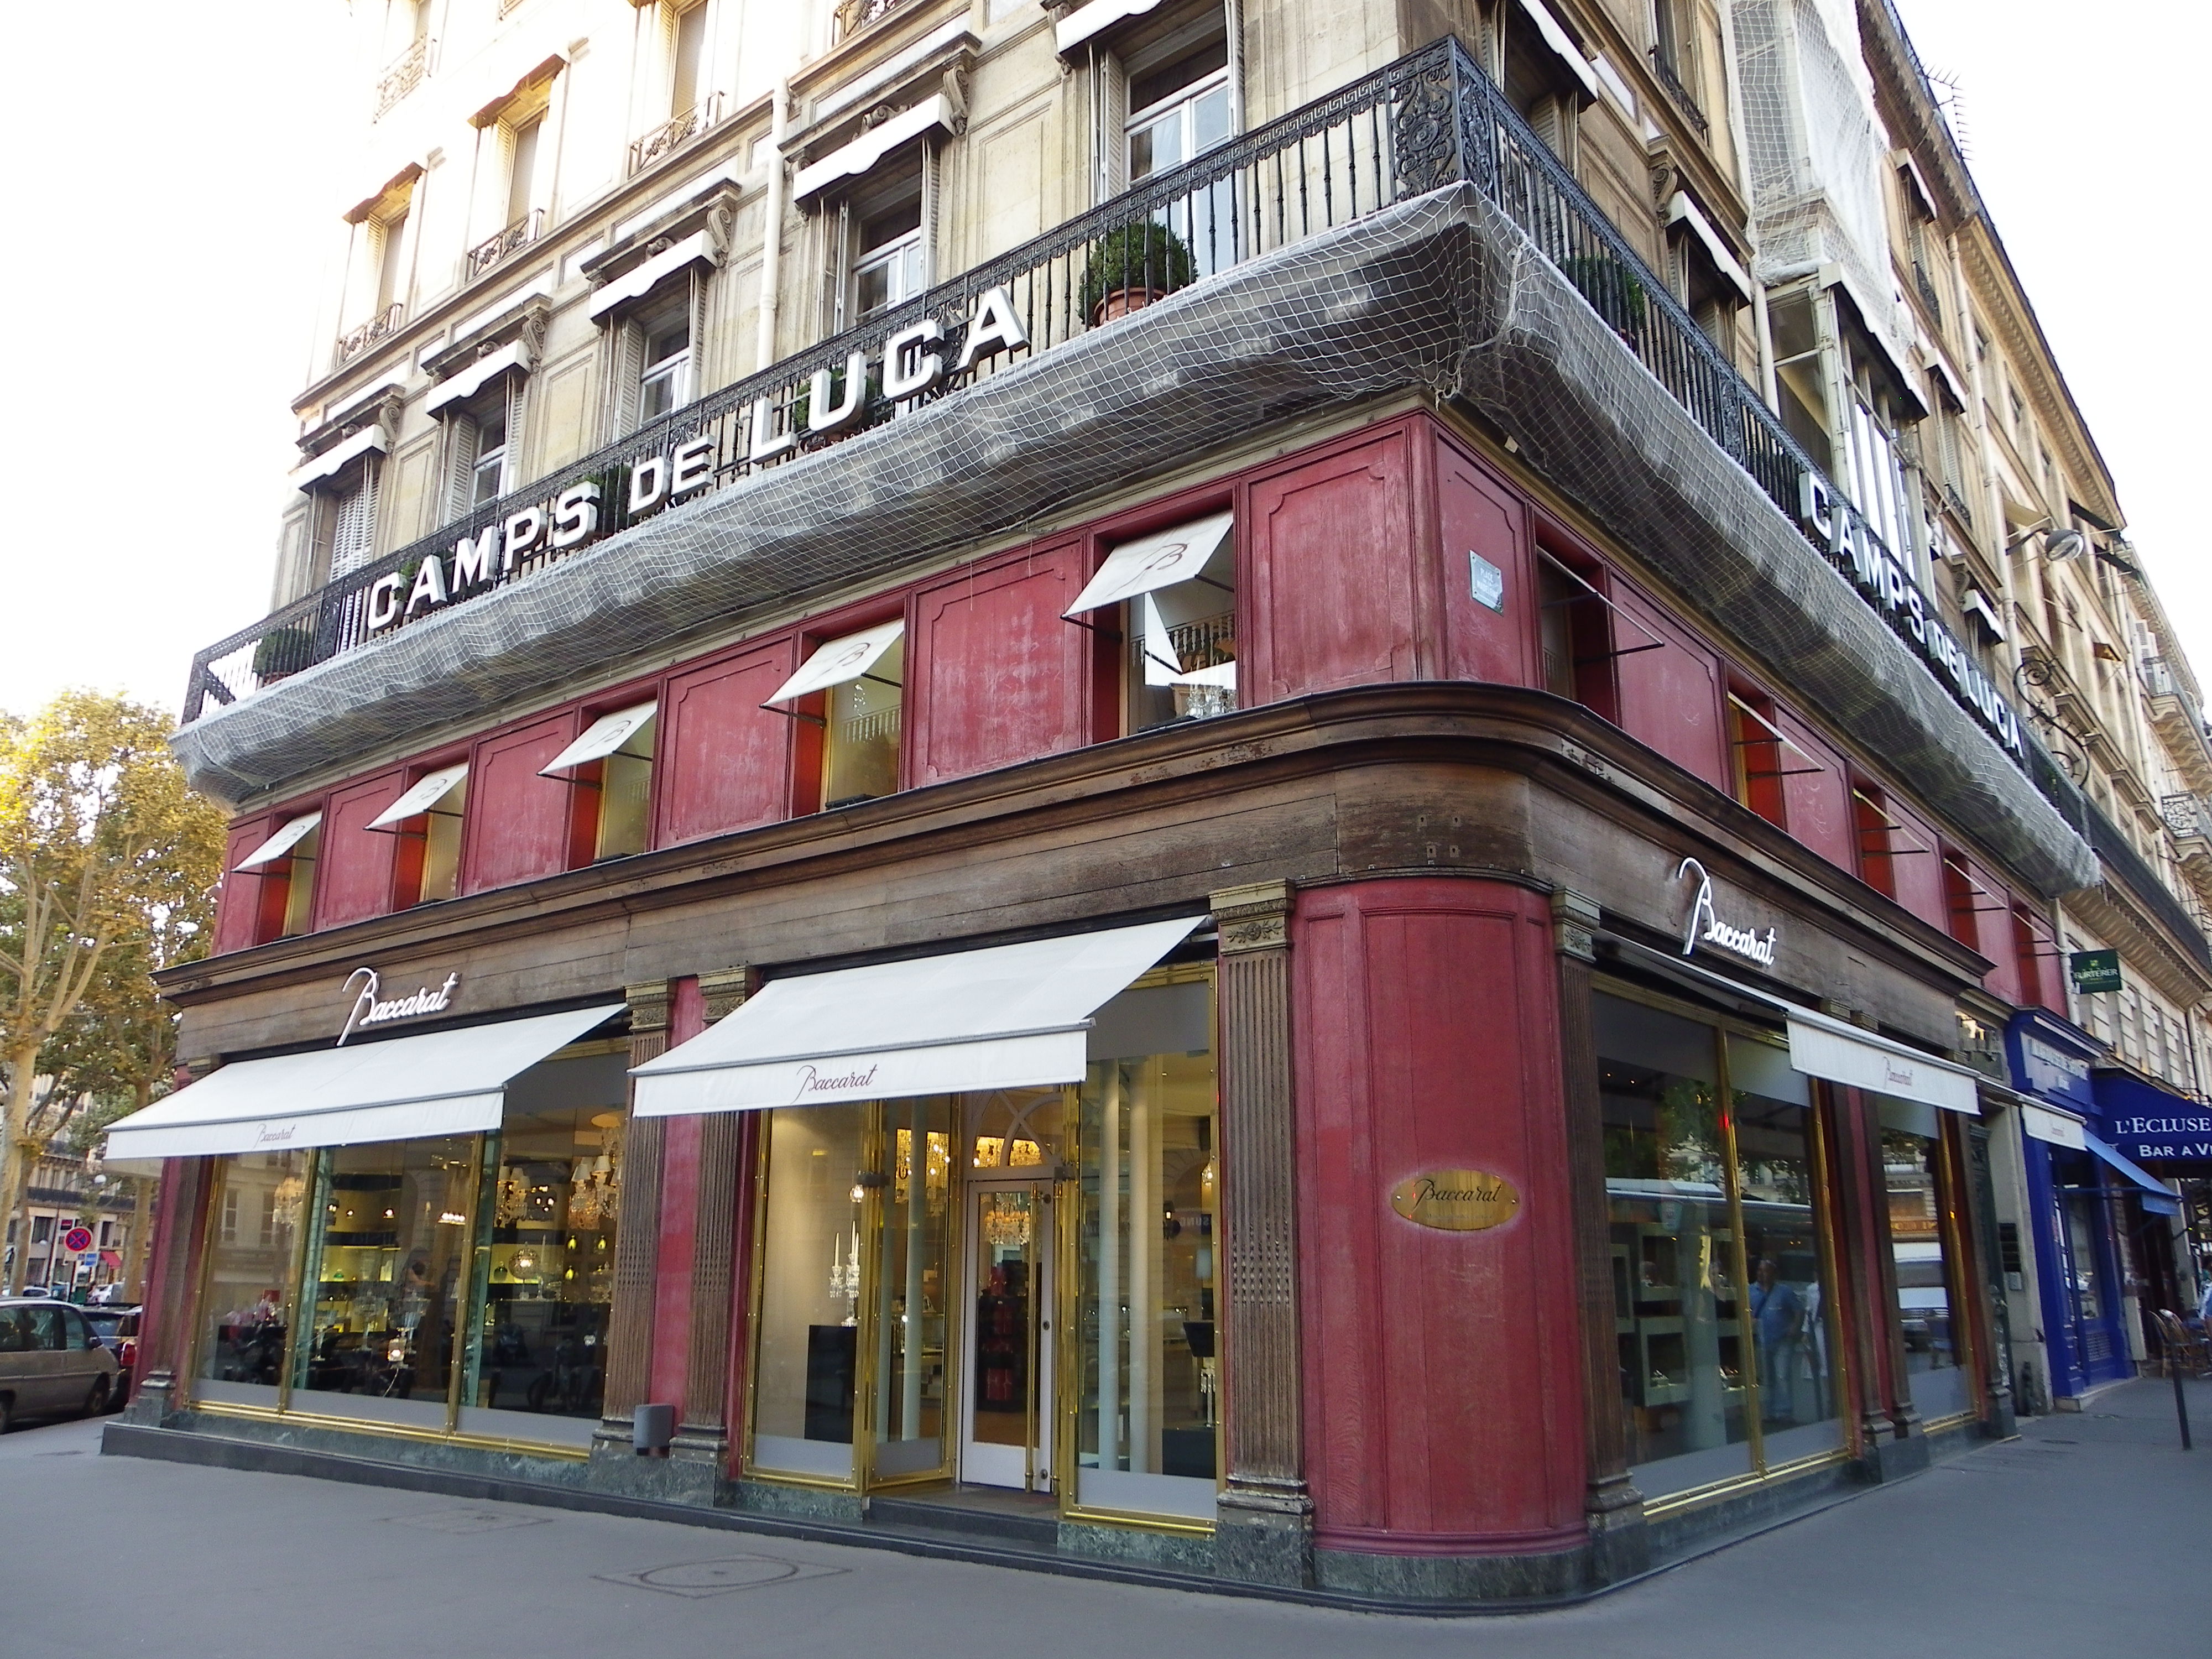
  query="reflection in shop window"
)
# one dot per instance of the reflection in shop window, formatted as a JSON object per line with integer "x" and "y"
{"x": 386, "y": 1280}
{"x": 246, "y": 1309}
{"x": 1723, "y": 1316}
{"x": 810, "y": 1293}
{"x": 1912, "y": 1160}
{"x": 909, "y": 1294}
{"x": 546, "y": 1264}
{"x": 1149, "y": 1386}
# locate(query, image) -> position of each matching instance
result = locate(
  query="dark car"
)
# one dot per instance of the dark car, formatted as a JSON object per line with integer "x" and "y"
{"x": 51, "y": 1363}
{"x": 116, "y": 1326}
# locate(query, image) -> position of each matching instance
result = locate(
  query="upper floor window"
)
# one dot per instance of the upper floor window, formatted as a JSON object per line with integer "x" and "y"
{"x": 1875, "y": 835}
{"x": 1544, "y": 77}
{"x": 286, "y": 865}
{"x": 428, "y": 817}
{"x": 1762, "y": 754}
{"x": 1179, "y": 111}
{"x": 1963, "y": 900}
{"x": 1175, "y": 593}
{"x": 611, "y": 768}
{"x": 344, "y": 518}
{"x": 480, "y": 448}
{"x": 665, "y": 378}
{"x": 522, "y": 168}
{"x": 391, "y": 235}
{"x": 888, "y": 268}
{"x": 1575, "y": 631}
{"x": 688, "y": 59}
{"x": 879, "y": 250}
{"x": 852, "y": 691}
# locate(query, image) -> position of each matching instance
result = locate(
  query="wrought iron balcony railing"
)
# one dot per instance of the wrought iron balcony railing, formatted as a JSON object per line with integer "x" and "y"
{"x": 404, "y": 75}
{"x": 354, "y": 341}
{"x": 1430, "y": 120}
{"x": 1672, "y": 81}
{"x": 673, "y": 133}
{"x": 518, "y": 235}
{"x": 854, "y": 16}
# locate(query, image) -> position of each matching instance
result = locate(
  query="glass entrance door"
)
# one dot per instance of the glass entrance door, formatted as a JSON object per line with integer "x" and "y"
{"x": 1006, "y": 1406}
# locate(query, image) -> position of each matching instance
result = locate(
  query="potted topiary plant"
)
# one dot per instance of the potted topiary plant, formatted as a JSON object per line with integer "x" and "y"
{"x": 1131, "y": 267}
{"x": 1615, "y": 292}
{"x": 281, "y": 652}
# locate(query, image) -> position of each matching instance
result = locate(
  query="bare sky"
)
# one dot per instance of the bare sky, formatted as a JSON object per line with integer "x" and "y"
{"x": 167, "y": 242}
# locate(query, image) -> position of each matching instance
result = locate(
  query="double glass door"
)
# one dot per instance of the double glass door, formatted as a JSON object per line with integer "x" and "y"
{"x": 1006, "y": 1438}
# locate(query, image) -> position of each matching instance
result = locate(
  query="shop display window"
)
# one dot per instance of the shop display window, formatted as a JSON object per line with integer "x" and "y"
{"x": 1915, "y": 1162}
{"x": 1725, "y": 1310}
{"x": 544, "y": 1265}
{"x": 246, "y": 1307}
{"x": 909, "y": 1292}
{"x": 808, "y": 1326}
{"x": 387, "y": 1280}
{"x": 1148, "y": 1382}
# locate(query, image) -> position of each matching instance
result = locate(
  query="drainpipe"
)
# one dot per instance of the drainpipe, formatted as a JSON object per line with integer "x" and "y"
{"x": 771, "y": 242}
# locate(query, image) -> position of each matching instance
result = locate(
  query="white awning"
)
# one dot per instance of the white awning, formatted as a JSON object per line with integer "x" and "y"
{"x": 476, "y": 376}
{"x": 641, "y": 279}
{"x": 1561, "y": 44}
{"x": 1153, "y": 562}
{"x": 423, "y": 794}
{"x": 856, "y": 158}
{"x": 2057, "y": 1128}
{"x": 840, "y": 662}
{"x": 280, "y": 843}
{"x": 373, "y": 440}
{"x": 1823, "y": 1046}
{"x": 1088, "y": 21}
{"x": 1681, "y": 209}
{"x": 1008, "y": 1016}
{"x": 440, "y": 1083}
{"x": 602, "y": 737}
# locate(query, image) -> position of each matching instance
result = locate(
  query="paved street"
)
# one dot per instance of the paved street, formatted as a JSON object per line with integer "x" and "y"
{"x": 2085, "y": 1536}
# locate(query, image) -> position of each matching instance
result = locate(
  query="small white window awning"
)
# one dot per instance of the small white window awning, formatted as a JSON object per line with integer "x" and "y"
{"x": 602, "y": 737}
{"x": 641, "y": 279}
{"x": 840, "y": 662}
{"x": 439, "y": 1082}
{"x": 419, "y": 797}
{"x": 1823, "y": 1046}
{"x": 1562, "y": 45}
{"x": 1006, "y": 1016}
{"x": 2156, "y": 1199}
{"x": 1154, "y": 561}
{"x": 373, "y": 440}
{"x": 2056, "y": 1128}
{"x": 476, "y": 376}
{"x": 297, "y": 830}
{"x": 857, "y": 159}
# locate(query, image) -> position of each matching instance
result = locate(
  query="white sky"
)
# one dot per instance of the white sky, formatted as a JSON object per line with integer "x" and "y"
{"x": 166, "y": 240}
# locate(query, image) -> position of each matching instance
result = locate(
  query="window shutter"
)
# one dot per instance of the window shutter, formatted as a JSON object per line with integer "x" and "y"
{"x": 514, "y": 387}
{"x": 355, "y": 535}
{"x": 460, "y": 465}
{"x": 628, "y": 371}
{"x": 695, "y": 322}
{"x": 1113, "y": 87}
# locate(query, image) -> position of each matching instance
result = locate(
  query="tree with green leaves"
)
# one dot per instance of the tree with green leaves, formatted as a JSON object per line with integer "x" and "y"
{"x": 108, "y": 865}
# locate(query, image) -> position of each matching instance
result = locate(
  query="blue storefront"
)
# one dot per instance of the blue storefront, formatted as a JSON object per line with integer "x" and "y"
{"x": 2074, "y": 1201}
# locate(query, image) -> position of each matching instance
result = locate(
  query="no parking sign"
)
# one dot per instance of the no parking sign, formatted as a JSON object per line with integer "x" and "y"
{"x": 77, "y": 1240}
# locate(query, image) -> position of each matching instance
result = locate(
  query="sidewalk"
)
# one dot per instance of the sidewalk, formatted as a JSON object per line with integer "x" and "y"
{"x": 2087, "y": 1535}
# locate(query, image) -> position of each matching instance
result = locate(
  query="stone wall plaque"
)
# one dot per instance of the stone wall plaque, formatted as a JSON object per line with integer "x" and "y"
{"x": 1456, "y": 1201}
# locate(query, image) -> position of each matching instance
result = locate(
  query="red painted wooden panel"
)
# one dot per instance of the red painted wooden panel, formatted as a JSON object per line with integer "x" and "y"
{"x": 1331, "y": 574}
{"x": 670, "y": 1354}
{"x": 1993, "y": 931}
{"x": 238, "y": 906}
{"x": 354, "y": 879}
{"x": 1443, "y": 1393}
{"x": 1918, "y": 866}
{"x": 518, "y": 826}
{"x": 1672, "y": 698}
{"x": 724, "y": 762}
{"x": 993, "y": 675}
{"x": 1818, "y": 803}
{"x": 1476, "y": 514}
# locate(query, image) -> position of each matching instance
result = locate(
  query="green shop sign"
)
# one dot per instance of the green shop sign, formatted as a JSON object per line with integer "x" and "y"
{"x": 2095, "y": 970}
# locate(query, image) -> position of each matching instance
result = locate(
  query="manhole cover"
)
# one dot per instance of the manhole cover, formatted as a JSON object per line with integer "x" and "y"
{"x": 467, "y": 1521}
{"x": 733, "y": 1572}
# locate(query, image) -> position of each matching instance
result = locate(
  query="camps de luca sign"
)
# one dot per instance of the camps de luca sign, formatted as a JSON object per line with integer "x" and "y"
{"x": 908, "y": 363}
{"x": 368, "y": 1009}
{"x": 1706, "y": 927}
{"x": 1456, "y": 1201}
{"x": 1853, "y": 548}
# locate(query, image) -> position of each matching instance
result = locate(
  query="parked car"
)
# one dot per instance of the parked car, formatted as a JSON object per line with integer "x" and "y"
{"x": 117, "y": 1326}
{"x": 52, "y": 1365}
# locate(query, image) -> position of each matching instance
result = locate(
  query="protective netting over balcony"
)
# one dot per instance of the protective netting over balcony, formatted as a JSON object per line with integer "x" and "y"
{"x": 1630, "y": 413}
